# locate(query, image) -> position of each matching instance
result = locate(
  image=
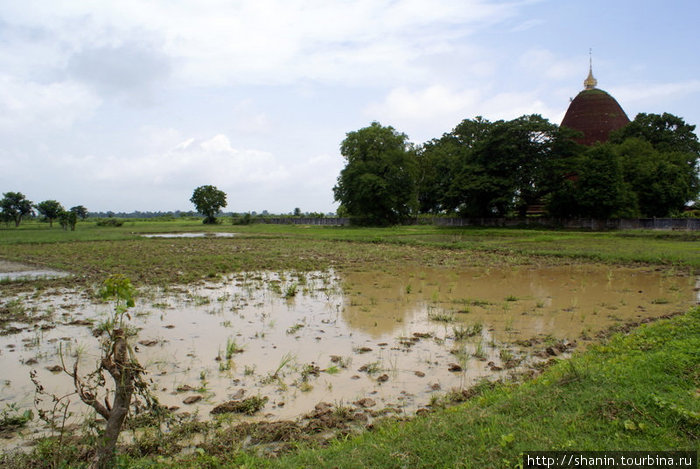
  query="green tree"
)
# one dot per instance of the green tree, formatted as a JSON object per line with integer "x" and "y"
{"x": 378, "y": 184}
{"x": 15, "y": 206}
{"x": 445, "y": 163}
{"x": 662, "y": 181}
{"x": 509, "y": 165}
{"x": 68, "y": 219}
{"x": 596, "y": 188}
{"x": 209, "y": 201}
{"x": 665, "y": 132}
{"x": 80, "y": 211}
{"x": 660, "y": 157}
{"x": 50, "y": 209}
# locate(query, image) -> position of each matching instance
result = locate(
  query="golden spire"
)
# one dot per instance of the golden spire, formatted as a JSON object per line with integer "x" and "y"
{"x": 590, "y": 82}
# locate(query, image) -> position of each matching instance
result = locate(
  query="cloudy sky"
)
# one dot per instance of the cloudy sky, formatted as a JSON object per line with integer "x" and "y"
{"x": 130, "y": 105}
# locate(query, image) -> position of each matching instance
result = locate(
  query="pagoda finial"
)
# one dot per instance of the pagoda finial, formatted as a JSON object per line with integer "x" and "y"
{"x": 590, "y": 82}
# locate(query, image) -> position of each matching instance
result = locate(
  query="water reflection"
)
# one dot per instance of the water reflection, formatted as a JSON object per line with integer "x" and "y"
{"x": 562, "y": 301}
{"x": 408, "y": 327}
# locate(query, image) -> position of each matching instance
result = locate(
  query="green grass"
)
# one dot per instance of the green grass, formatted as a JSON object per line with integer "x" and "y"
{"x": 94, "y": 252}
{"x": 633, "y": 392}
{"x": 636, "y": 392}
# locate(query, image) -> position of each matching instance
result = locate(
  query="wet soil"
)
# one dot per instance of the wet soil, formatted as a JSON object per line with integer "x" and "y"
{"x": 367, "y": 341}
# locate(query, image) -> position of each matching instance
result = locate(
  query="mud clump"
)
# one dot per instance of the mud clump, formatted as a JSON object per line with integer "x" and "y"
{"x": 247, "y": 406}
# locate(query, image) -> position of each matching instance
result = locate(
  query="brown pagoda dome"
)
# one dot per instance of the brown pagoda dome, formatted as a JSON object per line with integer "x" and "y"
{"x": 594, "y": 113}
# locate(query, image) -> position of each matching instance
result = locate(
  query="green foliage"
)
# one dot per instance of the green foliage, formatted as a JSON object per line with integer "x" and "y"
{"x": 50, "y": 209}
{"x": 114, "y": 222}
{"x": 68, "y": 219}
{"x": 80, "y": 211}
{"x": 209, "y": 201}
{"x": 378, "y": 182}
{"x": 118, "y": 288}
{"x": 11, "y": 418}
{"x": 484, "y": 169}
{"x": 15, "y": 206}
{"x": 596, "y": 189}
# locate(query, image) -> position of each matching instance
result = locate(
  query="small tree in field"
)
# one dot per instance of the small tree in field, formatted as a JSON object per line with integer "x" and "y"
{"x": 68, "y": 219}
{"x": 80, "y": 211}
{"x": 119, "y": 362}
{"x": 51, "y": 209}
{"x": 209, "y": 201}
{"x": 15, "y": 206}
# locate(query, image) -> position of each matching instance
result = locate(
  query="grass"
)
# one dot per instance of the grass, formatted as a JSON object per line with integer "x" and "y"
{"x": 631, "y": 392}
{"x": 635, "y": 391}
{"x": 93, "y": 252}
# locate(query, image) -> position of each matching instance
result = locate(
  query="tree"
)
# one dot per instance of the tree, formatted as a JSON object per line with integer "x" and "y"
{"x": 443, "y": 161}
{"x": 68, "y": 219}
{"x": 209, "y": 201}
{"x": 504, "y": 165}
{"x": 660, "y": 155}
{"x": 50, "y": 209}
{"x": 378, "y": 183}
{"x": 665, "y": 132}
{"x": 15, "y": 206}
{"x": 596, "y": 188}
{"x": 662, "y": 181}
{"x": 80, "y": 211}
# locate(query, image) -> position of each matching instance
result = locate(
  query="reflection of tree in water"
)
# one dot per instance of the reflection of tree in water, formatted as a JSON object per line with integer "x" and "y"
{"x": 520, "y": 301}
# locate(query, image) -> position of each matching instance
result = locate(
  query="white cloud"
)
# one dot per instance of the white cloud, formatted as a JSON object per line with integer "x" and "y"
{"x": 34, "y": 105}
{"x": 263, "y": 41}
{"x": 657, "y": 92}
{"x": 428, "y": 112}
{"x": 546, "y": 64}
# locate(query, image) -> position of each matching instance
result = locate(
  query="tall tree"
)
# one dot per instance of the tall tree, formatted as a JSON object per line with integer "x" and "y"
{"x": 15, "y": 206}
{"x": 442, "y": 164}
{"x": 509, "y": 165}
{"x": 80, "y": 211}
{"x": 209, "y": 201}
{"x": 665, "y": 132}
{"x": 662, "y": 180}
{"x": 51, "y": 209}
{"x": 660, "y": 156}
{"x": 378, "y": 183}
{"x": 596, "y": 188}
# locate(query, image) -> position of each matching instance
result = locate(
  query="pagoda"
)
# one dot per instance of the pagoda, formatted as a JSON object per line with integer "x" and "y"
{"x": 594, "y": 113}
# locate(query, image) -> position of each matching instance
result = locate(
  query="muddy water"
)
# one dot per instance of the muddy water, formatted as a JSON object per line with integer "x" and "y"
{"x": 191, "y": 235}
{"x": 397, "y": 338}
{"x": 11, "y": 271}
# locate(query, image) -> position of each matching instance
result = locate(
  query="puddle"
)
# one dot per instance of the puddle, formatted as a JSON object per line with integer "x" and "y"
{"x": 396, "y": 338}
{"x": 190, "y": 235}
{"x": 14, "y": 271}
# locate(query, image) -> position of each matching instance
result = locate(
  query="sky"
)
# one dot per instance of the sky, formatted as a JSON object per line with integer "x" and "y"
{"x": 131, "y": 105}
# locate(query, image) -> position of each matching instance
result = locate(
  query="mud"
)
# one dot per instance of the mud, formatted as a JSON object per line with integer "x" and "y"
{"x": 13, "y": 271}
{"x": 368, "y": 340}
{"x": 190, "y": 235}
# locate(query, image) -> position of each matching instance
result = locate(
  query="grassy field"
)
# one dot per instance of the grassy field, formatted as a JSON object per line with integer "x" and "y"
{"x": 93, "y": 252}
{"x": 634, "y": 391}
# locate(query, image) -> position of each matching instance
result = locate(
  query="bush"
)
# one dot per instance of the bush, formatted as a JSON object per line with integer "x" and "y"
{"x": 110, "y": 222}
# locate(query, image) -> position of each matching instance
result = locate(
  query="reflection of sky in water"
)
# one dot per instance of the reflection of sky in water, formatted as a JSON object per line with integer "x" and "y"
{"x": 338, "y": 314}
{"x": 32, "y": 275}
{"x": 190, "y": 235}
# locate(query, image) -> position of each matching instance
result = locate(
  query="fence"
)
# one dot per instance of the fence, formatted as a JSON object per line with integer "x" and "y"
{"x": 687, "y": 224}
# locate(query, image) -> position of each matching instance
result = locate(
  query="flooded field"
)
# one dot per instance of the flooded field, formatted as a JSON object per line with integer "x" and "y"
{"x": 190, "y": 235}
{"x": 376, "y": 340}
{"x": 12, "y": 271}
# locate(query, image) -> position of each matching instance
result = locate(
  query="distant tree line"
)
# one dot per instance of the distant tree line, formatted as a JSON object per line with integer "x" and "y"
{"x": 14, "y": 207}
{"x": 649, "y": 168}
